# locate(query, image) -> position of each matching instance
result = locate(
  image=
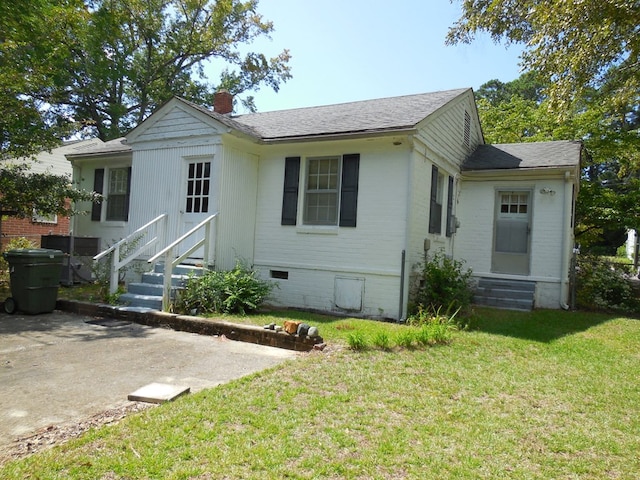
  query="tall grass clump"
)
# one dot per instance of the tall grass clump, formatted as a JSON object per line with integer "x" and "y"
{"x": 435, "y": 328}
{"x": 357, "y": 342}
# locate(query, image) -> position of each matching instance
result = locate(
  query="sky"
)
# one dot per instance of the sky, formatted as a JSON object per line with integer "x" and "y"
{"x": 350, "y": 50}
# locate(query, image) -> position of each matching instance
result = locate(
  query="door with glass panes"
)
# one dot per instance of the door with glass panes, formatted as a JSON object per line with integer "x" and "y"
{"x": 512, "y": 232}
{"x": 196, "y": 201}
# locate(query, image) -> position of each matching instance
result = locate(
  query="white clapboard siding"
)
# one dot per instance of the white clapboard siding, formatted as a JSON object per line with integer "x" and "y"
{"x": 178, "y": 122}
{"x": 237, "y": 213}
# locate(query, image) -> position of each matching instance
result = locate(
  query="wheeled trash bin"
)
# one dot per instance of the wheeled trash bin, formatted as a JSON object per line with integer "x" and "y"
{"x": 35, "y": 278}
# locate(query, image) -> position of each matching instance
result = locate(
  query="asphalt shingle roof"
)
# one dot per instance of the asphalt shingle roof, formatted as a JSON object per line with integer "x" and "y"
{"x": 524, "y": 155}
{"x": 117, "y": 145}
{"x": 384, "y": 114}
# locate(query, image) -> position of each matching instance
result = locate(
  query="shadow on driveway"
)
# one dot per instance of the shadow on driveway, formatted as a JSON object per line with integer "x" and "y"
{"x": 58, "y": 367}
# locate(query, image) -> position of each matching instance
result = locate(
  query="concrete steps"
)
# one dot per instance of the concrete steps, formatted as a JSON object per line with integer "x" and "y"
{"x": 147, "y": 294}
{"x": 507, "y": 294}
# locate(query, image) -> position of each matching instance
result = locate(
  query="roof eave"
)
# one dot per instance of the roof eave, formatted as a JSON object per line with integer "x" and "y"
{"x": 387, "y": 132}
{"x": 545, "y": 170}
{"x": 97, "y": 155}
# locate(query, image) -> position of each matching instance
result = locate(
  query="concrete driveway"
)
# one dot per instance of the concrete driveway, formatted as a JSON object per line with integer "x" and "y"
{"x": 59, "y": 367}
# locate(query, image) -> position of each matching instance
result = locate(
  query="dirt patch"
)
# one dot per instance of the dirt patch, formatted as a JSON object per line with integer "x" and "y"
{"x": 52, "y": 435}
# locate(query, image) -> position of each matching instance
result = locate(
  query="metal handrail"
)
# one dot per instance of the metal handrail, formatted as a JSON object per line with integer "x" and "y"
{"x": 170, "y": 263}
{"x": 116, "y": 263}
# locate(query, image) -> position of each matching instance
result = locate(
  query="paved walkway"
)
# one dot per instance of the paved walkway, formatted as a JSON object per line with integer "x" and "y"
{"x": 59, "y": 367}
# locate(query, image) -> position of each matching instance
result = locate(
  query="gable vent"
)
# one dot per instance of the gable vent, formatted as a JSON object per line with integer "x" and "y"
{"x": 467, "y": 129}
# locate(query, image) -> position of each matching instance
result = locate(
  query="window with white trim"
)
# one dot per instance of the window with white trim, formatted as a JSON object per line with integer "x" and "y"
{"x": 38, "y": 217}
{"x": 117, "y": 202}
{"x": 330, "y": 187}
{"x": 322, "y": 187}
{"x": 437, "y": 196}
{"x": 514, "y": 203}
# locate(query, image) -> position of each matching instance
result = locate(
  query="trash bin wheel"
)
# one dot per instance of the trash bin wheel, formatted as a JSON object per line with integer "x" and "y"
{"x": 10, "y": 305}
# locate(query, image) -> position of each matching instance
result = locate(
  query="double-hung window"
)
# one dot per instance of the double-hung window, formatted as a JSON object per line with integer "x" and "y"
{"x": 322, "y": 187}
{"x": 117, "y": 204}
{"x": 114, "y": 184}
{"x": 435, "y": 204}
{"x": 329, "y": 188}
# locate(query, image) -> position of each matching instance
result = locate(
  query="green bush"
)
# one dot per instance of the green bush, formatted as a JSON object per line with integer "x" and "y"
{"x": 234, "y": 291}
{"x": 13, "y": 244}
{"x": 602, "y": 285}
{"x": 443, "y": 283}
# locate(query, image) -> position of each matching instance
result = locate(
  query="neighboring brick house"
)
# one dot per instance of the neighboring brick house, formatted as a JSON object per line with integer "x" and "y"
{"x": 34, "y": 227}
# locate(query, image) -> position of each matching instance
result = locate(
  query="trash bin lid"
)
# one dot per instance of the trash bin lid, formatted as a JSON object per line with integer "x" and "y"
{"x": 33, "y": 252}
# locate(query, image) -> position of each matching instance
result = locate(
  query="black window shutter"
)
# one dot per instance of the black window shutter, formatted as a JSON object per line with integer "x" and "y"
{"x": 450, "y": 207}
{"x": 98, "y": 180}
{"x": 434, "y": 211}
{"x": 349, "y": 190}
{"x": 290, "y": 194}
{"x": 128, "y": 196}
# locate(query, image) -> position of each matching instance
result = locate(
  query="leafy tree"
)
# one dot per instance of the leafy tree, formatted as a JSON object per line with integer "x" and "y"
{"x": 34, "y": 69}
{"x": 574, "y": 46}
{"x": 108, "y": 63}
{"x": 136, "y": 54}
{"x": 609, "y": 199}
{"x": 22, "y": 193}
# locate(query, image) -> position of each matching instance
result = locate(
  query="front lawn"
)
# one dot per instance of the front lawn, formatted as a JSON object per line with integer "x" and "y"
{"x": 539, "y": 395}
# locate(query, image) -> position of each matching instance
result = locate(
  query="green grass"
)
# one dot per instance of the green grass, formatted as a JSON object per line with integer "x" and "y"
{"x": 540, "y": 395}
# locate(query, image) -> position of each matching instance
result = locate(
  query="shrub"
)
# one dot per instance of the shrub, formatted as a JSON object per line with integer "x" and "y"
{"x": 13, "y": 244}
{"x": 602, "y": 285}
{"x": 234, "y": 291}
{"x": 443, "y": 283}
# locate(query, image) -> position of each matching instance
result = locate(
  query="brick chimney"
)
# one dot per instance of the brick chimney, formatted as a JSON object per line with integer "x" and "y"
{"x": 222, "y": 102}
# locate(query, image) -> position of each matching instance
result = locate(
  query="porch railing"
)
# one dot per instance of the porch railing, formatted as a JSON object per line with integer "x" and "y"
{"x": 170, "y": 262}
{"x": 154, "y": 230}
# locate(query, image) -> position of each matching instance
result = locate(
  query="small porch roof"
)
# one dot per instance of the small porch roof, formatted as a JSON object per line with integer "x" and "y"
{"x": 534, "y": 155}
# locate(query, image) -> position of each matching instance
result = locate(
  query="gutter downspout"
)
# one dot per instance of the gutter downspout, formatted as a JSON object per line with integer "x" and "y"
{"x": 566, "y": 238}
{"x": 403, "y": 300}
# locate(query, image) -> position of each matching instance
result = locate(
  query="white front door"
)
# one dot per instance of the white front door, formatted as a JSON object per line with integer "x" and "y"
{"x": 512, "y": 231}
{"x": 197, "y": 201}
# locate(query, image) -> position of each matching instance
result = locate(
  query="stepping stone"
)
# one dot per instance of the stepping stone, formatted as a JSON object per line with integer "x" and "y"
{"x": 157, "y": 393}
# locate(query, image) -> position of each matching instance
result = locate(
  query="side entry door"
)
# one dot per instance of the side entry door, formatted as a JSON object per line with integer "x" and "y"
{"x": 512, "y": 232}
{"x": 197, "y": 201}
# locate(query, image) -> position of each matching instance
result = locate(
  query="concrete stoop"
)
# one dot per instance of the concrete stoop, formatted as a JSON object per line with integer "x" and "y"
{"x": 187, "y": 323}
{"x": 506, "y": 294}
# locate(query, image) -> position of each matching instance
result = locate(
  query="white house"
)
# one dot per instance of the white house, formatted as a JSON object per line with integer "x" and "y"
{"x": 339, "y": 203}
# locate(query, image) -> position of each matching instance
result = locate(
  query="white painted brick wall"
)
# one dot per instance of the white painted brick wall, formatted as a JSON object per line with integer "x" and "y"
{"x": 315, "y": 255}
